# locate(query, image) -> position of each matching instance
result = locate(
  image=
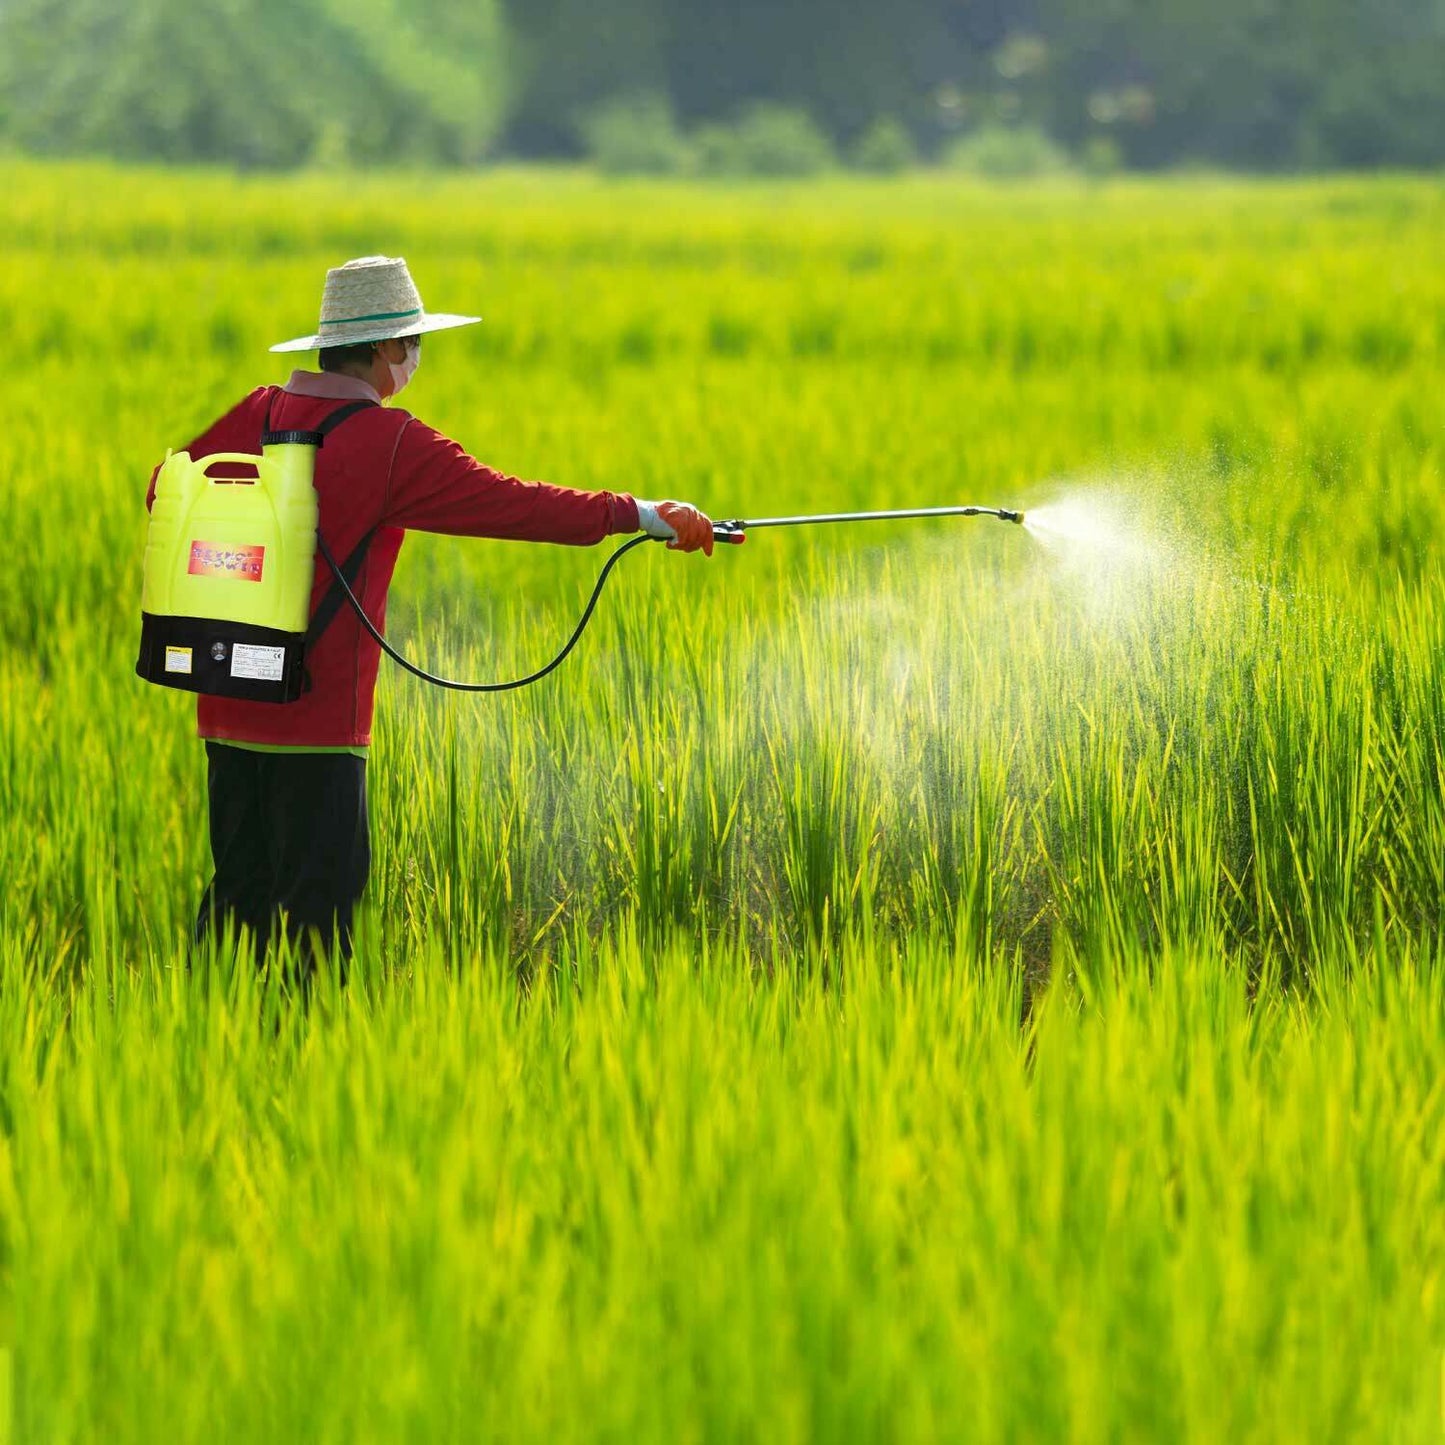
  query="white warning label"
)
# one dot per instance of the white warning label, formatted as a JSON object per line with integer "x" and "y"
{"x": 260, "y": 664}
{"x": 178, "y": 659}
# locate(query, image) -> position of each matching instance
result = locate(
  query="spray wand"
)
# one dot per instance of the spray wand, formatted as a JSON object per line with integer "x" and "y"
{"x": 733, "y": 532}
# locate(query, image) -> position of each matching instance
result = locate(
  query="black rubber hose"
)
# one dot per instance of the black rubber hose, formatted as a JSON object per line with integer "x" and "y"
{"x": 531, "y": 677}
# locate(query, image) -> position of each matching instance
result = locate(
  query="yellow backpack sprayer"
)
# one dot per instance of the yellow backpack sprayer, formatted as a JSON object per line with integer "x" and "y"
{"x": 229, "y": 565}
{"x": 229, "y": 570}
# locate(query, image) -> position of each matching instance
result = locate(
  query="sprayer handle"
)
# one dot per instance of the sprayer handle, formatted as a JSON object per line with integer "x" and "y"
{"x": 729, "y": 532}
{"x": 235, "y": 459}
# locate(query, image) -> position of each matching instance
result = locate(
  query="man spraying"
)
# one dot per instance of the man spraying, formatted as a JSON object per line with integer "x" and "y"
{"x": 287, "y": 781}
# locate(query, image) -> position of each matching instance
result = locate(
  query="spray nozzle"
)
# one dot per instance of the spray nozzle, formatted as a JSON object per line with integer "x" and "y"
{"x": 1006, "y": 516}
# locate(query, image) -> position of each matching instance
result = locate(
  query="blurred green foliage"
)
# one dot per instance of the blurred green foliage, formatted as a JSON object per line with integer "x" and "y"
{"x": 773, "y": 140}
{"x": 885, "y": 148}
{"x": 1245, "y": 83}
{"x": 1007, "y": 152}
{"x": 636, "y": 135}
{"x": 639, "y": 136}
{"x": 255, "y": 82}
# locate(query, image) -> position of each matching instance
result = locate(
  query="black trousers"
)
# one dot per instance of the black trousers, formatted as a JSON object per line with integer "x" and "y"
{"x": 289, "y": 840}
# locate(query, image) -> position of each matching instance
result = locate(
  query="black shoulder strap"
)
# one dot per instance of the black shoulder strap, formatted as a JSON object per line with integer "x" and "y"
{"x": 340, "y": 414}
{"x": 312, "y": 438}
{"x": 330, "y": 604}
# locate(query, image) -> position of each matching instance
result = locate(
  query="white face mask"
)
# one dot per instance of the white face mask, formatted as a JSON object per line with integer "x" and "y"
{"x": 403, "y": 371}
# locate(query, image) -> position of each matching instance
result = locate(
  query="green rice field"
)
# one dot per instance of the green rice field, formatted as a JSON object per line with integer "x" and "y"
{"x": 925, "y": 981}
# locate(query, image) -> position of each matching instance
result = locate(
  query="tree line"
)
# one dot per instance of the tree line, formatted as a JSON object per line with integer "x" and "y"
{"x": 1267, "y": 84}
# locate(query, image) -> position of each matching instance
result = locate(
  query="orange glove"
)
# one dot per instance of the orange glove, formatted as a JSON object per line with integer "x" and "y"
{"x": 680, "y": 524}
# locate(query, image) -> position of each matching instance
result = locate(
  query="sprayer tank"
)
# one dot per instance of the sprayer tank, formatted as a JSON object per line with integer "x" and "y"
{"x": 226, "y": 593}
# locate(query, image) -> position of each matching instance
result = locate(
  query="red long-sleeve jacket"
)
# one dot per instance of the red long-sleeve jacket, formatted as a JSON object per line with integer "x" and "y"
{"x": 382, "y": 469}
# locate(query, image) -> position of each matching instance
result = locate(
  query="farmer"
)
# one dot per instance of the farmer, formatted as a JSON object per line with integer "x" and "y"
{"x": 287, "y": 781}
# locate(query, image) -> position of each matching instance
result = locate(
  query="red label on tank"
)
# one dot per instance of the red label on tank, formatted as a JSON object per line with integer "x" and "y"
{"x": 240, "y": 564}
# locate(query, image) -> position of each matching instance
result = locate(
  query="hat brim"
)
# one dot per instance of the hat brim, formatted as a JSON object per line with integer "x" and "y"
{"x": 428, "y": 321}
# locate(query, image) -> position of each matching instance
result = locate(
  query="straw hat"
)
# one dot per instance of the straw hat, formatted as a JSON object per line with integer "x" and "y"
{"x": 371, "y": 299}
